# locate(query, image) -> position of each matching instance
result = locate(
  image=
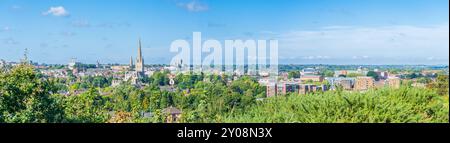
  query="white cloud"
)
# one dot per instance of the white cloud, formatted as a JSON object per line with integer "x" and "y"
{"x": 360, "y": 57}
{"x": 67, "y": 34}
{"x": 335, "y": 27}
{"x": 15, "y": 7}
{"x": 56, "y": 11}
{"x": 316, "y": 58}
{"x": 5, "y": 29}
{"x": 193, "y": 6}
{"x": 432, "y": 58}
{"x": 401, "y": 42}
{"x": 81, "y": 24}
{"x": 268, "y": 33}
{"x": 10, "y": 41}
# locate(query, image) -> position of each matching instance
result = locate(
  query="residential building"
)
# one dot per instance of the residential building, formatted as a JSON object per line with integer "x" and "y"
{"x": 120, "y": 68}
{"x": 313, "y": 78}
{"x": 364, "y": 83}
{"x": 309, "y": 71}
{"x": 306, "y": 88}
{"x": 73, "y": 64}
{"x": 393, "y": 82}
{"x": 380, "y": 83}
{"x": 287, "y": 87}
{"x": 381, "y": 74}
{"x": 340, "y": 73}
{"x": 271, "y": 89}
{"x": 173, "y": 114}
{"x": 345, "y": 83}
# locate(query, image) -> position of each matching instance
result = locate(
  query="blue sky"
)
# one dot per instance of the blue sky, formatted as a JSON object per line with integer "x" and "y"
{"x": 309, "y": 31}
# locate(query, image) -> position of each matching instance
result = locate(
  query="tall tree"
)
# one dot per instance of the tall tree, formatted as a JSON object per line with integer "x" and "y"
{"x": 374, "y": 75}
{"x": 294, "y": 74}
{"x": 26, "y": 98}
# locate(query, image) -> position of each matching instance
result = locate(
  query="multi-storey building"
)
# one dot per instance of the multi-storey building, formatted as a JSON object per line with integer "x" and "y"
{"x": 313, "y": 78}
{"x": 345, "y": 83}
{"x": 287, "y": 87}
{"x": 306, "y": 88}
{"x": 311, "y": 88}
{"x": 309, "y": 71}
{"x": 271, "y": 89}
{"x": 364, "y": 83}
{"x": 393, "y": 82}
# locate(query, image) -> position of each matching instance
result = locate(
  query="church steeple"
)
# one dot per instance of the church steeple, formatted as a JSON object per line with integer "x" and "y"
{"x": 131, "y": 62}
{"x": 139, "y": 60}
{"x": 139, "y": 49}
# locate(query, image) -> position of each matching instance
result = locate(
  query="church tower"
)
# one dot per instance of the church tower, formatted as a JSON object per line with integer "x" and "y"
{"x": 131, "y": 63}
{"x": 139, "y": 60}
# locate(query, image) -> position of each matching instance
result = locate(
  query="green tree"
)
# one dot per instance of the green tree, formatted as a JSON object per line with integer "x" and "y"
{"x": 328, "y": 73}
{"x": 88, "y": 107}
{"x": 294, "y": 74}
{"x": 424, "y": 80}
{"x": 25, "y": 98}
{"x": 160, "y": 78}
{"x": 101, "y": 81}
{"x": 441, "y": 85}
{"x": 374, "y": 75}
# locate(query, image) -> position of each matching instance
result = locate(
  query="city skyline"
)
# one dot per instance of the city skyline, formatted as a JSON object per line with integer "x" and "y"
{"x": 321, "y": 32}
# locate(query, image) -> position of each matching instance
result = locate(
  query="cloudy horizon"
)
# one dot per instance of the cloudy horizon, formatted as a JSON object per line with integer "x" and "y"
{"x": 309, "y": 32}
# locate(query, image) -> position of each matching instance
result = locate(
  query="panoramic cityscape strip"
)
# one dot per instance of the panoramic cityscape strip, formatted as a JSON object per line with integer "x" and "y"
{"x": 201, "y": 61}
{"x": 78, "y": 79}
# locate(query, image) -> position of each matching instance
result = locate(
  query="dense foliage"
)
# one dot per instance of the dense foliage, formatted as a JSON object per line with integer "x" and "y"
{"x": 25, "y": 97}
{"x": 386, "y": 106}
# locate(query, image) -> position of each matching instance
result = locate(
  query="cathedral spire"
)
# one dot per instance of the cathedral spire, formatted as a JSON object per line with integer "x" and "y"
{"x": 131, "y": 62}
{"x": 139, "y": 49}
{"x": 139, "y": 60}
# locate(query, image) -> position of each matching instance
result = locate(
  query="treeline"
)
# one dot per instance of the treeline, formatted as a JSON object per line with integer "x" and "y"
{"x": 27, "y": 97}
